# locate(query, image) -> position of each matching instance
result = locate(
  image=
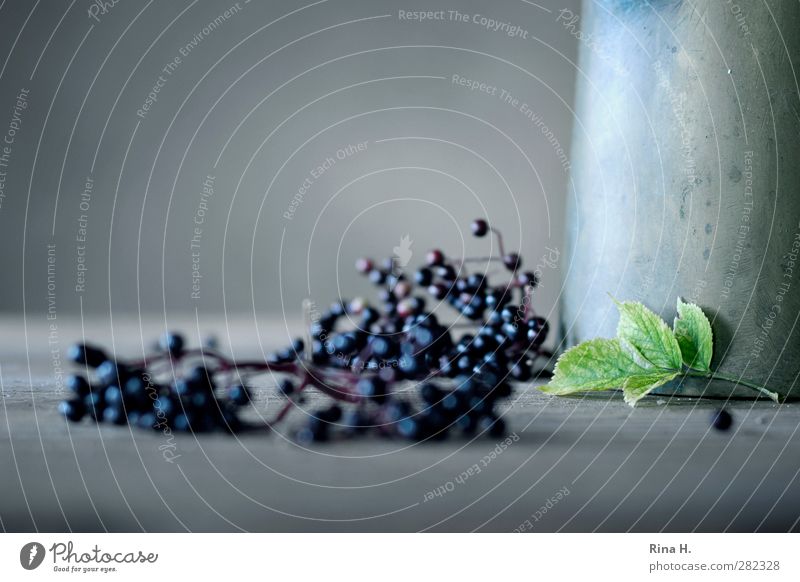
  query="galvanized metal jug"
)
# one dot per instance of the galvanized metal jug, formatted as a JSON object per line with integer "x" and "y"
{"x": 686, "y": 177}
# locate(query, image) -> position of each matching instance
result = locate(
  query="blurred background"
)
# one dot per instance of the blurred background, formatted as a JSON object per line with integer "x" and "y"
{"x": 218, "y": 157}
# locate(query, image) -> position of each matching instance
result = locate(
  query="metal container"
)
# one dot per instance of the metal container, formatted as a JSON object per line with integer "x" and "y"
{"x": 686, "y": 177}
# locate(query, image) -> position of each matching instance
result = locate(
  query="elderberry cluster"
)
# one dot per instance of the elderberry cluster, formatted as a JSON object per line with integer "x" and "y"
{"x": 401, "y": 339}
{"x": 394, "y": 368}
{"x": 122, "y": 393}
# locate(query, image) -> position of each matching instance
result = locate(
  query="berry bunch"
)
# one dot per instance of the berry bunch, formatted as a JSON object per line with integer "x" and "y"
{"x": 391, "y": 368}
{"x": 121, "y": 393}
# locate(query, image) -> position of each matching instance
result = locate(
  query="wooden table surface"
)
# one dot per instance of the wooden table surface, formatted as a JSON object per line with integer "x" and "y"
{"x": 573, "y": 464}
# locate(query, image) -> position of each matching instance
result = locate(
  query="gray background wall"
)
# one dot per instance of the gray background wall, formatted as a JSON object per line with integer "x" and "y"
{"x": 258, "y": 103}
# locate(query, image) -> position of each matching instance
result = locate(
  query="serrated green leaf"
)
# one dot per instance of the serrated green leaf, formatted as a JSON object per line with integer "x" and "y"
{"x": 649, "y": 335}
{"x": 693, "y": 332}
{"x": 637, "y": 387}
{"x": 598, "y": 364}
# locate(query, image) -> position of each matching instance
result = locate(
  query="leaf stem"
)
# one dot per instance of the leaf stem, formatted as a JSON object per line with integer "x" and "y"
{"x": 733, "y": 379}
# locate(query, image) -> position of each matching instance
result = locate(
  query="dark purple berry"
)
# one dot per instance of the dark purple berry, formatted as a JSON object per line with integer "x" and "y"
{"x": 496, "y": 427}
{"x": 73, "y": 410}
{"x": 528, "y": 279}
{"x": 447, "y": 272}
{"x": 377, "y": 276}
{"x": 423, "y": 277}
{"x": 364, "y": 265}
{"x": 480, "y": 227}
{"x": 238, "y": 395}
{"x": 172, "y": 343}
{"x": 374, "y": 389}
{"x": 286, "y": 387}
{"x": 721, "y": 419}
{"x": 86, "y": 355}
{"x": 438, "y": 291}
{"x": 512, "y": 261}
{"x": 78, "y": 384}
{"x": 521, "y": 371}
{"x": 434, "y": 258}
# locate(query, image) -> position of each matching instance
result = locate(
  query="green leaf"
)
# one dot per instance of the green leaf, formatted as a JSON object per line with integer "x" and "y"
{"x": 645, "y": 355}
{"x": 649, "y": 335}
{"x": 598, "y": 364}
{"x": 693, "y": 332}
{"x": 637, "y": 387}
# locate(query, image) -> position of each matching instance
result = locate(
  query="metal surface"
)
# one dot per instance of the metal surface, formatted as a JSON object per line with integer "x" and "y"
{"x": 686, "y": 177}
